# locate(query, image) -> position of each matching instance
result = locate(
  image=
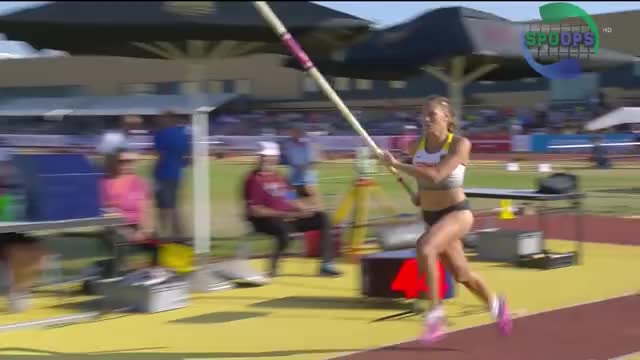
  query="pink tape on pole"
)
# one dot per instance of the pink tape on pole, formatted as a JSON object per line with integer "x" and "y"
{"x": 297, "y": 51}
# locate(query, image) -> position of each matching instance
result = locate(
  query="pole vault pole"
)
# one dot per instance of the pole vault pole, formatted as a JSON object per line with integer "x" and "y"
{"x": 296, "y": 50}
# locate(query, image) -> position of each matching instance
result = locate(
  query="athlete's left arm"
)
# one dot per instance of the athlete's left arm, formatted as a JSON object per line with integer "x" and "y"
{"x": 459, "y": 154}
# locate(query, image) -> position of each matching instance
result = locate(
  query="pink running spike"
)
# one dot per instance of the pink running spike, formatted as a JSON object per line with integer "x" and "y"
{"x": 504, "y": 317}
{"x": 434, "y": 330}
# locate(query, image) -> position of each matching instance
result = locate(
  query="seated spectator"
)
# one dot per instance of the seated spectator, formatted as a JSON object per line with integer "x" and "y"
{"x": 271, "y": 210}
{"x": 127, "y": 194}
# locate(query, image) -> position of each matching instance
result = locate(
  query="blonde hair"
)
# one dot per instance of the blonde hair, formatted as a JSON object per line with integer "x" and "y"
{"x": 444, "y": 102}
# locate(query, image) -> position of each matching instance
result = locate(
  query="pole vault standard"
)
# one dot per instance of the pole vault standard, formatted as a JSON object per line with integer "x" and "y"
{"x": 297, "y": 51}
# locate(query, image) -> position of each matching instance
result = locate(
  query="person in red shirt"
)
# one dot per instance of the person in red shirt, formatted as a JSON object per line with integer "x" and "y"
{"x": 272, "y": 209}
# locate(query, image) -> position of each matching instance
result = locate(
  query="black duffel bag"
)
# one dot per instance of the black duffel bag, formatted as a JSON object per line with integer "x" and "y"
{"x": 558, "y": 183}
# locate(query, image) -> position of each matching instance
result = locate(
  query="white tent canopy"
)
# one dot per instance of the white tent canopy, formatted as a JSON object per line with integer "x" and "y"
{"x": 4, "y": 55}
{"x": 112, "y": 105}
{"x": 151, "y": 104}
{"x": 40, "y": 106}
{"x": 623, "y": 115}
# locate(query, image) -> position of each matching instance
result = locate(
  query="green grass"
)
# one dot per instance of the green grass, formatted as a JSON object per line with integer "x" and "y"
{"x": 335, "y": 178}
{"x": 228, "y": 225}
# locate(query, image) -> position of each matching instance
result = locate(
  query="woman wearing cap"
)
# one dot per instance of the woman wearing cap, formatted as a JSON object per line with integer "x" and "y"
{"x": 439, "y": 163}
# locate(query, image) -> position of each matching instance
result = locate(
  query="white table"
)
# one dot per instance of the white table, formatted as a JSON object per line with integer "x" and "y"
{"x": 27, "y": 226}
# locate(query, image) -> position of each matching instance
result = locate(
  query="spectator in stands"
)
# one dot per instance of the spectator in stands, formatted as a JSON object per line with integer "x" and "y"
{"x": 271, "y": 209}
{"x": 172, "y": 145}
{"x": 599, "y": 154}
{"x": 129, "y": 195}
{"x": 299, "y": 154}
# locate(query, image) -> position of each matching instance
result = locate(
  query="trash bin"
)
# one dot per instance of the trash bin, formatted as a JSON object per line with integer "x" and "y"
{"x": 312, "y": 243}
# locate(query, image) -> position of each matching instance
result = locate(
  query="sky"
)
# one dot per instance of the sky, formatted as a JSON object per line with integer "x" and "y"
{"x": 387, "y": 13}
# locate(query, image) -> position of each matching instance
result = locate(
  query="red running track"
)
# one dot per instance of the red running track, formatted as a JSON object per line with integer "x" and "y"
{"x": 596, "y": 228}
{"x": 601, "y": 330}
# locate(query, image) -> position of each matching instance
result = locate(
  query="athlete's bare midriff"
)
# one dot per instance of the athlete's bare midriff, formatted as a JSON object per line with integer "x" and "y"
{"x": 434, "y": 200}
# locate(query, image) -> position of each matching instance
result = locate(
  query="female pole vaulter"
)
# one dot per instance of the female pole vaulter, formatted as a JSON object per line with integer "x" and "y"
{"x": 439, "y": 163}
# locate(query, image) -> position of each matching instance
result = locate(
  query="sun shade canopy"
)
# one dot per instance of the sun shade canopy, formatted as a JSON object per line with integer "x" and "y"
{"x": 489, "y": 45}
{"x": 621, "y": 116}
{"x": 177, "y": 29}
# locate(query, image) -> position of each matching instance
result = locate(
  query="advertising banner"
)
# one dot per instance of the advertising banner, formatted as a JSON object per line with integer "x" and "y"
{"x": 34, "y": 140}
{"x": 348, "y": 143}
{"x": 521, "y": 143}
{"x": 543, "y": 143}
{"x": 401, "y": 142}
{"x": 490, "y": 143}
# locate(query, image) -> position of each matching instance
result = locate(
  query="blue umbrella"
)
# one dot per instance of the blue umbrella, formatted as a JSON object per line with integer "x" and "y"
{"x": 457, "y": 45}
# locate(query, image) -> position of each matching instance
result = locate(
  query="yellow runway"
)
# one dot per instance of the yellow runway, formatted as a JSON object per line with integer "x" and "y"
{"x": 300, "y": 316}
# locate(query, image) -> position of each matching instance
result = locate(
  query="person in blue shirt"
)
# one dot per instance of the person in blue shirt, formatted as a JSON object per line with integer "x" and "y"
{"x": 172, "y": 144}
{"x": 299, "y": 154}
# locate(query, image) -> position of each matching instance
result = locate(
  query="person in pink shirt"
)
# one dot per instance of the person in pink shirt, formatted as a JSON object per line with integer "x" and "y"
{"x": 129, "y": 195}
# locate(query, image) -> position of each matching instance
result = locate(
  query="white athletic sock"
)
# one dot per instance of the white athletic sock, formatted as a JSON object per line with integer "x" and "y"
{"x": 436, "y": 313}
{"x": 495, "y": 306}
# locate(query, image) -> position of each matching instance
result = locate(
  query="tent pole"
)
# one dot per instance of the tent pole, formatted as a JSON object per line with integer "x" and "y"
{"x": 456, "y": 96}
{"x": 200, "y": 155}
{"x": 455, "y": 88}
{"x": 456, "y": 85}
{"x": 457, "y": 80}
{"x": 203, "y": 278}
{"x": 201, "y": 196}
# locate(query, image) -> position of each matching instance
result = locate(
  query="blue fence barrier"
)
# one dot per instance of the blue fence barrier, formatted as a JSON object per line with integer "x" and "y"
{"x": 541, "y": 143}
